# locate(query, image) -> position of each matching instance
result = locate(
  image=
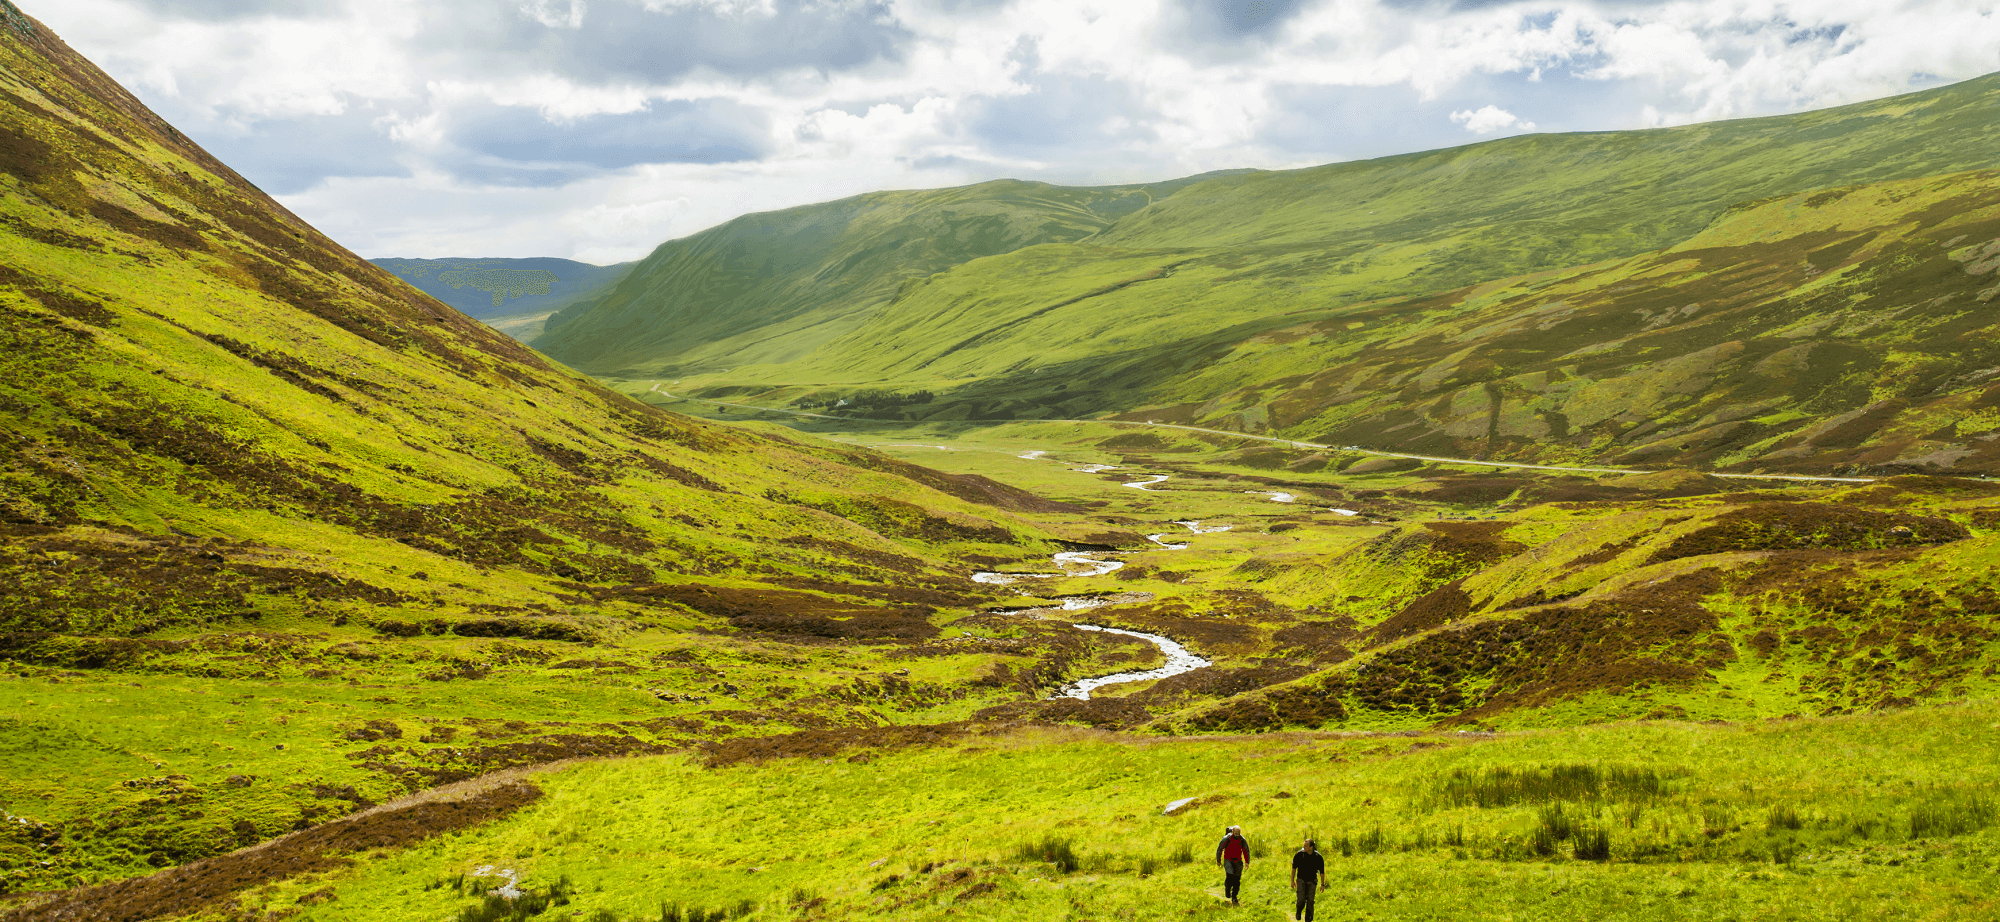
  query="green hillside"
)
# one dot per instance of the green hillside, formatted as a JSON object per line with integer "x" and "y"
{"x": 773, "y": 287}
{"x": 1846, "y": 328}
{"x": 1166, "y": 312}
{"x": 321, "y": 600}
{"x": 243, "y": 465}
{"x": 494, "y": 288}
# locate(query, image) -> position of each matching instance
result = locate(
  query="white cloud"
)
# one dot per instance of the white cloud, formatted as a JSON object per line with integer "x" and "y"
{"x": 1489, "y": 119}
{"x": 833, "y": 97}
{"x": 549, "y": 13}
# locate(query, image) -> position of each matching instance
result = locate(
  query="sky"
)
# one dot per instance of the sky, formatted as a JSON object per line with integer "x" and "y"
{"x": 597, "y": 129}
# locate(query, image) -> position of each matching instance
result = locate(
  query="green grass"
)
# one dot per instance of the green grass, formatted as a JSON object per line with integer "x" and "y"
{"x": 1750, "y": 821}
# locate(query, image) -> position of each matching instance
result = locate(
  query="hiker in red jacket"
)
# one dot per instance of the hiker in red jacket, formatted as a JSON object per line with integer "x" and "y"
{"x": 1232, "y": 853}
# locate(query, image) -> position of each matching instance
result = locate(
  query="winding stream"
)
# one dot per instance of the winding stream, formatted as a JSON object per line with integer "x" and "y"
{"x": 1179, "y": 660}
{"x": 1193, "y": 525}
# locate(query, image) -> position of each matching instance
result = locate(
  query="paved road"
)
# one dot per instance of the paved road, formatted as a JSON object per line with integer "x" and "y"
{"x": 1315, "y": 445}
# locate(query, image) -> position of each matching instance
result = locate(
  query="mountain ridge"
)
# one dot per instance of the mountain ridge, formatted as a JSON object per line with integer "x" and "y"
{"x": 491, "y": 288}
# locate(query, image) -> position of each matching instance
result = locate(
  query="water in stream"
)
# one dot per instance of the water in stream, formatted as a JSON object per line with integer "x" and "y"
{"x": 1179, "y": 660}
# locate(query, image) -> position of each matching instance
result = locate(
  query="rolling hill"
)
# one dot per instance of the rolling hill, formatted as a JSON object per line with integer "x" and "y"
{"x": 773, "y": 287}
{"x": 1212, "y": 305}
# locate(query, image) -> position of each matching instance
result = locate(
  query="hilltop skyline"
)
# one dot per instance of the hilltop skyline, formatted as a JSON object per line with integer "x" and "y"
{"x": 596, "y": 130}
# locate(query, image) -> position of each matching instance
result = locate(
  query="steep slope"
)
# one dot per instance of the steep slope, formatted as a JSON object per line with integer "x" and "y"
{"x": 213, "y": 414}
{"x": 772, "y": 287}
{"x": 490, "y": 288}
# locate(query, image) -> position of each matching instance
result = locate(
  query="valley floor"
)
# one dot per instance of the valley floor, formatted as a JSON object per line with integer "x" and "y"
{"x": 1821, "y": 747}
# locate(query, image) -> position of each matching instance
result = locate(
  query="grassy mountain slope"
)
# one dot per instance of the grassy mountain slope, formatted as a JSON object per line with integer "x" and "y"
{"x": 188, "y": 361}
{"x": 1786, "y": 692}
{"x": 490, "y": 288}
{"x": 1498, "y": 208}
{"x": 1843, "y": 327}
{"x": 1158, "y": 308}
{"x": 288, "y": 495}
{"x": 772, "y": 287}
{"x": 1849, "y": 328}
{"x": 1726, "y": 606}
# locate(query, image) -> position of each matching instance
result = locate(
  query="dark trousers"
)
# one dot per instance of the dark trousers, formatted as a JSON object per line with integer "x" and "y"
{"x": 1232, "y": 878}
{"x": 1304, "y": 908}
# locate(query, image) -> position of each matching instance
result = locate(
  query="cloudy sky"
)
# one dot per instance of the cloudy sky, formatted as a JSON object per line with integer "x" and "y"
{"x": 595, "y": 129}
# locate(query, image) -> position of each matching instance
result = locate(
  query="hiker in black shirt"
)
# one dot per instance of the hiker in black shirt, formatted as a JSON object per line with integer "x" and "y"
{"x": 1308, "y": 878}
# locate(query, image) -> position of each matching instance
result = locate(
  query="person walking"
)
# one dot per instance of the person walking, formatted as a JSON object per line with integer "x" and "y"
{"x": 1308, "y": 878}
{"x": 1232, "y": 853}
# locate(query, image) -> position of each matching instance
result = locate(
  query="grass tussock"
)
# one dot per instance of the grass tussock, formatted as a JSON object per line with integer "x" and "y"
{"x": 1059, "y": 851}
{"x": 1506, "y": 786}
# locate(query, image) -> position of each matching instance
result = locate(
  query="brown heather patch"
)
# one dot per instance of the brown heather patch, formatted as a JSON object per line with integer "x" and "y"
{"x": 191, "y": 888}
{"x": 881, "y": 559}
{"x": 1436, "y": 608}
{"x": 896, "y": 518}
{"x": 417, "y": 766}
{"x": 1658, "y": 634}
{"x": 1780, "y": 526}
{"x": 1860, "y": 640}
{"x": 1100, "y": 713}
{"x": 801, "y": 617}
{"x": 1953, "y": 487}
{"x": 1323, "y": 640}
{"x": 57, "y": 300}
{"x": 294, "y": 371}
{"x": 1467, "y": 491}
{"x": 1215, "y": 682}
{"x": 1473, "y": 543}
{"x": 168, "y": 235}
{"x": 1207, "y": 632}
{"x": 76, "y": 584}
{"x": 972, "y": 488}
